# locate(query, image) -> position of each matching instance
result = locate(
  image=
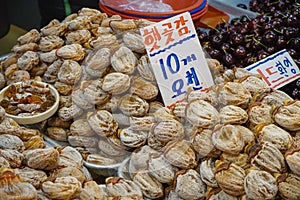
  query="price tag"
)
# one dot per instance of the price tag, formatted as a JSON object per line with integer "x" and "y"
{"x": 176, "y": 57}
{"x": 276, "y": 70}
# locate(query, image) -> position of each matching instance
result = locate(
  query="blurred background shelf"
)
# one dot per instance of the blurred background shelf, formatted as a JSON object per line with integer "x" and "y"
{"x": 10, "y": 39}
{"x": 21, "y": 16}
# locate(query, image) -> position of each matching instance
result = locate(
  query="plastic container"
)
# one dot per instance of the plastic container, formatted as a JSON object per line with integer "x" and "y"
{"x": 196, "y": 9}
{"x": 179, "y": 6}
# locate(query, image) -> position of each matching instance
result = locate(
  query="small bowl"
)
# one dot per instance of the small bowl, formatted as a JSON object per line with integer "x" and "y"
{"x": 103, "y": 170}
{"x": 39, "y": 116}
{"x": 123, "y": 170}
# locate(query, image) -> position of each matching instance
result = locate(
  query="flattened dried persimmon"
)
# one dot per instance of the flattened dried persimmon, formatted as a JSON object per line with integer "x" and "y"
{"x": 28, "y": 98}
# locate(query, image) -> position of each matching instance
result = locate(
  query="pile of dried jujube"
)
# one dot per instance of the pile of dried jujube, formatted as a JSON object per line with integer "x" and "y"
{"x": 27, "y": 98}
{"x": 238, "y": 140}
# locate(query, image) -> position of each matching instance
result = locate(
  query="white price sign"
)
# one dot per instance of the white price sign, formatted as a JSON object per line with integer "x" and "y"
{"x": 176, "y": 57}
{"x": 276, "y": 70}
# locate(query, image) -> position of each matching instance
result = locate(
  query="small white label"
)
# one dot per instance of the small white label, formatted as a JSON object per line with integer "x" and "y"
{"x": 276, "y": 70}
{"x": 176, "y": 57}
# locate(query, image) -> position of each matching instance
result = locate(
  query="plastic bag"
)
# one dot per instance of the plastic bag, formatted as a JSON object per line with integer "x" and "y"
{"x": 140, "y": 5}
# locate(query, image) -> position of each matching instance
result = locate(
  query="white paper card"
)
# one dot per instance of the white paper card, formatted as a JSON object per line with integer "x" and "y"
{"x": 276, "y": 70}
{"x": 176, "y": 57}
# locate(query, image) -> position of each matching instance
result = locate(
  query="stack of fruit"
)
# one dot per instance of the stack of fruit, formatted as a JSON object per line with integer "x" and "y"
{"x": 245, "y": 40}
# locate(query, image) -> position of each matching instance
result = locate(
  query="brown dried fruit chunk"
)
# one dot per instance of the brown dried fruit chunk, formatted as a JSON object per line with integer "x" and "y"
{"x": 134, "y": 41}
{"x": 267, "y": 157}
{"x": 71, "y": 51}
{"x": 230, "y": 178}
{"x": 145, "y": 69}
{"x": 57, "y": 133}
{"x": 98, "y": 60}
{"x": 12, "y": 186}
{"x": 94, "y": 93}
{"x": 231, "y": 114}
{"x": 168, "y": 130}
{"x": 4, "y": 163}
{"x": 82, "y": 141}
{"x": 149, "y": 185}
{"x": 104, "y": 41}
{"x": 188, "y": 185}
{"x": 70, "y": 72}
{"x": 91, "y": 190}
{"x": 253, "y": 84}
{"x": 218, "y": 193}
{"x": 140, "y": 157}
{"x": 35, "y": 142}
{"x": 50, "y": 42}
{"x": 180, "y": 154}
{"x": 275, "y": 135}
{"x": 161, "y": 169}
{"x": 69, "y": 156}
{"x": 202, "y": 114}
{"x": 234, "y": 94}
{"x": 32, "y": 176}
{"x": 228, "y": 138}
{"x": 260, "y": 185}
{"x": 48, "y": 57}
{"x": 144, "y": 89}
{"x": 45, "y": 159}
{"x": 79, "y": 99}
{"x": 124, "y": 60}
{"x": 133, "y": 105}
{"x": 133, "y": 138}
{"x": 20, "y": 49}
{"x": 31, "y": 36}
{"x": 14, "y": 157}
{"x": 272, "y": 97}
{"x": 102, "y": 122}
{"x": 109, "y": 149}
{"x": 288, "y": 116}
{"x": 78, "y": 36}
{"x": 62, "y": 188}
{"x": 241, "y": 159}
{"x": 117, "y": 186}
{"x": 69, "y": 113}
{"x": 55, "y": 121}
{"x": 63, "y": 88}
{"x": 120, "y": 26}
{"x": 8, "y": 141}
{"x": 207, "y": 172}
{"x": 288, "y": 186}
{"x": 202, "y": 143}
{"x": 116, "y": 83}
{"x": 141, "y": 123}
{"x": 68, "y": 171}
{"x": 81, "y": 127}
{"x": 54, "y": 27}
{"x": 292, "y": 158}
{"x": 28, "y": 60}
{"x": 100, "y": 160}
{"x": 260, "y": 113}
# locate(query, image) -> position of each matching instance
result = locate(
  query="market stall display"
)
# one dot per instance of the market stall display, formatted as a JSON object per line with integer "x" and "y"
{"x": 221, "y": 143}
{"x": 245, "y": 39}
